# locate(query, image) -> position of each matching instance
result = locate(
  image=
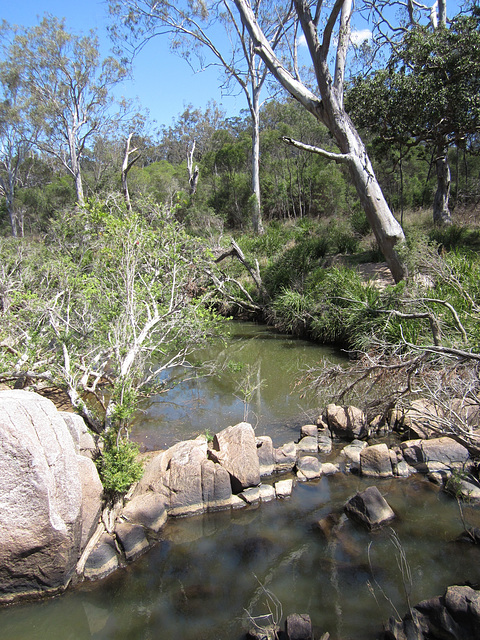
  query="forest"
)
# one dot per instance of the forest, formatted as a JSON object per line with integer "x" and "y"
{"x": 125, "y": 244}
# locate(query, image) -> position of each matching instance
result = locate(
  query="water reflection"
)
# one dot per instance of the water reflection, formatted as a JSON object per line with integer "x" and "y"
{"x": 207, "y": 571}
{"x": 273, "y": 361}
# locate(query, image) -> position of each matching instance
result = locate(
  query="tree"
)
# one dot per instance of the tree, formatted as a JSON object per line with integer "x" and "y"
{"x": 193, "y": 23}
{"x": 429, "y": 93}
{"x": 329, "y": 109}
{"x": 107, "y": 303}
{"x": 68, "y": 87}
{"x": 17, "y": 138}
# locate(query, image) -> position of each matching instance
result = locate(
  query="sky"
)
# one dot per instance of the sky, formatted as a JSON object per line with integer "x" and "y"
{"x": 162, "y": 81}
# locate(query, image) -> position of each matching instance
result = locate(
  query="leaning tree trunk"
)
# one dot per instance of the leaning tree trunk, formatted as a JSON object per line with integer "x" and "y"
{"x": 386, "y": 228}
{"x": 441, "y": 212}
{"x": 328, "y": 109}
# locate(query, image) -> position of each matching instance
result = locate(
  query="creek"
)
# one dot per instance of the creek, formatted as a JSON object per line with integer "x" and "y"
{"x": 206, "y": 571}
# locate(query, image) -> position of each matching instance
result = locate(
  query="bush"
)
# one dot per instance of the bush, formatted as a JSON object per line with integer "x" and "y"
{"x": 119, "y": 468}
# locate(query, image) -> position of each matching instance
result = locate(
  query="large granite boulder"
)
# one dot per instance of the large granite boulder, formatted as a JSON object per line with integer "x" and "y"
{"x": 235, "y": 449}
{"x": 425, "y": 454}
{"x": 375, "y": 461}
{"x": 49, "y": 497}
{"x": 346, "y": 423}
{"x": 176, "y": 476}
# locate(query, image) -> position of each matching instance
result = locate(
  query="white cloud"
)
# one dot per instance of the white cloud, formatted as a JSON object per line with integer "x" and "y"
{"x": 357, "y": 37}
{"x": 302, "y": 41}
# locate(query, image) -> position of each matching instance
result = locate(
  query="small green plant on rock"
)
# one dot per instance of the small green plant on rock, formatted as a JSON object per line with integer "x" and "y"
{"x": 118, "y": 467}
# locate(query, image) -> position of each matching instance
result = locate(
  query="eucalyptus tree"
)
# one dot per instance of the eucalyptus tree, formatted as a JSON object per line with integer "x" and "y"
{"x": 427, "y": 94}
{"x": 17, "y": 137}
{"x": 69, "y": 89}
{"x": 328, "y": 53}
{"x": 200, "y": 28}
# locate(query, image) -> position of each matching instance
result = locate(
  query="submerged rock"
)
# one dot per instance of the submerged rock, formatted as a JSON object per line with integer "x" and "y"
{"x": 298, "y": 627}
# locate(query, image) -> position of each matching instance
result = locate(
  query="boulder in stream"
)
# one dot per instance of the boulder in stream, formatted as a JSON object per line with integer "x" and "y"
{"x": 369, "y": 508}
{"x": 235, "y": 449}
{"x": 346, "y": 423}
{"x": 375, "y": 461}
{"x": 455, "y": 615}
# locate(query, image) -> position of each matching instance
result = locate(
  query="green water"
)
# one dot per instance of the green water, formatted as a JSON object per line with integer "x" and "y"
{"x": 274, "y": 362}
{"x": 206, "y": 572}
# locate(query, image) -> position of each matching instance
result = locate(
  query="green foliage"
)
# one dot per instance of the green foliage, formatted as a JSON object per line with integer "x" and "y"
{"x": 118, "y": 467}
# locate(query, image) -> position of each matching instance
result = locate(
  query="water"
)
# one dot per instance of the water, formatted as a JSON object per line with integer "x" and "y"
{"x": 274, "y": 362}
{"x": 207, "y": 572}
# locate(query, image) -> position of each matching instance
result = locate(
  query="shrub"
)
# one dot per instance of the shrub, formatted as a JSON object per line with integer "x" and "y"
{"x": 119, "y": 468}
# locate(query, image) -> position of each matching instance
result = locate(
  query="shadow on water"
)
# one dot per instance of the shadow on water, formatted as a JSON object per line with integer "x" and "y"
{"x": 207, "y": 571}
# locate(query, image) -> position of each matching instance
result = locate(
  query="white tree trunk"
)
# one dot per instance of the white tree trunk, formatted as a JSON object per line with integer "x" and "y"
{"x": 441, "y": 212}
{"x": 328, "y": 108}
{"x": 256, "y": 198}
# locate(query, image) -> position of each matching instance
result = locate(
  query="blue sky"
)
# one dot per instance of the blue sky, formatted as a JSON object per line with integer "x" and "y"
{"x": 163, "y": 82}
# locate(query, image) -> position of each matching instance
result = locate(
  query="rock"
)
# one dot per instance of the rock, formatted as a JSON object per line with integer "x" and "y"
{"x": 285, "y": 457}
{"x": 236, "y": 450}
{"x": 369, "y": 508}
{"x": 378, "y": 427}
{"x": 421, "y": 453}
{"x": 455, "y": 616}
{"x": 328, "y": 524}
{"x": 132, "y": 538}
{"x": 470, "y": 535}
{"x": 324, "y": 443}
{"x": 266, "y": 455}
{"x": 41, "y": 497}
{"x": 402, "y": 469}
{"x": 445, "y": 450}
{"x": 309, "y": 430}
{"x": 308, "y": 468}
{"x": 267, "y": 492}
{"x": 103, "y": 559}
{"x": 422, "y": 420}
{"x": 183, "y": 479}
{"x": 92, "y": 493}
{"x": 298, "y": 627}
{"x": 308, "y": 444}
{"x": 147, "y": 510}
{"x": 329, "y": 468}
{"x": 465, "y": 487}
{"x": 375, "y": 461}
{"x": 284, "y": 488}
{"x": 351, "y": 455}
{"x": 176, "y": 476}
{"x": 346, "y": 423}
{"x": 251, "y": 495}
{"x": 82, "y": 438}
{"x": 217, "y": 488}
